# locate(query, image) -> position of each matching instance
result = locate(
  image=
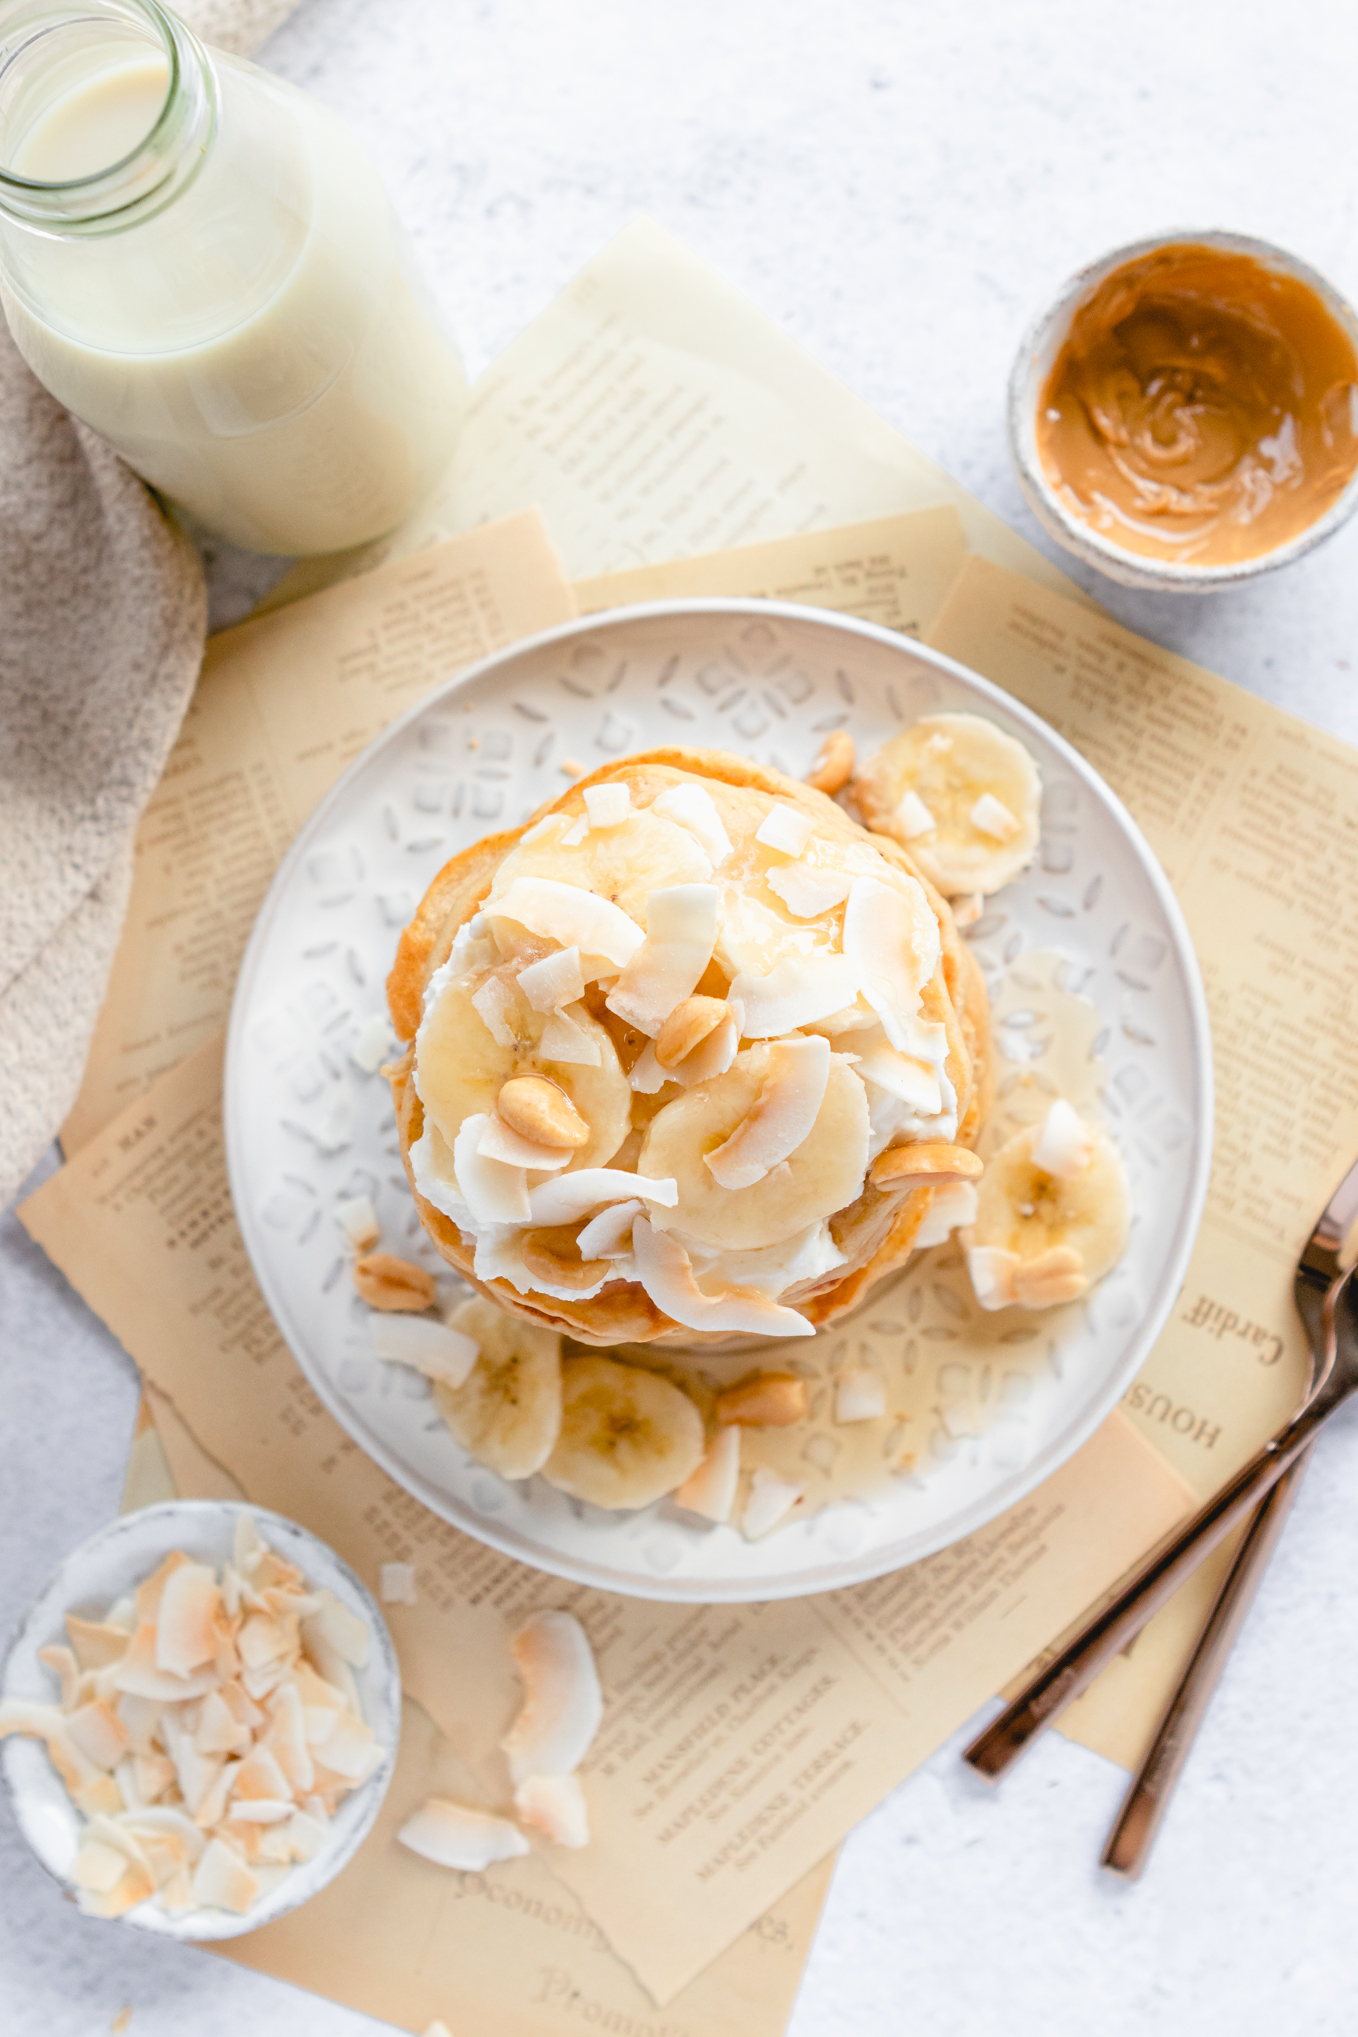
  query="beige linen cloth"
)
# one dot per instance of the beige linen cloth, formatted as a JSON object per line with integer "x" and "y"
{"x": 102, "y": 618}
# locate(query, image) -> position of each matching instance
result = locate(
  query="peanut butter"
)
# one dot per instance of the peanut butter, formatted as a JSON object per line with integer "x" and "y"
{"x": 1203, "y": 408}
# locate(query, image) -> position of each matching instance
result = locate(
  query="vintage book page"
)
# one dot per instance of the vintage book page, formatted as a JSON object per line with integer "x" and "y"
{"x": 740, "y": 1744}
{"x": 491, "y": 1955}
{"x": 895, "y": 571}
{"x": 1255, "y": 818}
{"x": 650, "y": 413}
{"x": 283, "y": 705}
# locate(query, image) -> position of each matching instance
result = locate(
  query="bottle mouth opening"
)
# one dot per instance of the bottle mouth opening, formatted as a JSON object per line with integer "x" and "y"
{"x": 54, "y": 174}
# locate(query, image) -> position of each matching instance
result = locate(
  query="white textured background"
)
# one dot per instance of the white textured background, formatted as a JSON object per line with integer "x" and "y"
{"x": 900, "y": 185}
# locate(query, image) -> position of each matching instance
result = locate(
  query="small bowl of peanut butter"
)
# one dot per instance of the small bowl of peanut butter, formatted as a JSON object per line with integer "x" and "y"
{"x": 1186, "y": 413}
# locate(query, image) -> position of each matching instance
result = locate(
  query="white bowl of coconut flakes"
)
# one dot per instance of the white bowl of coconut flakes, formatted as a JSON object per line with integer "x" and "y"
{"x": 223, "y": 1761}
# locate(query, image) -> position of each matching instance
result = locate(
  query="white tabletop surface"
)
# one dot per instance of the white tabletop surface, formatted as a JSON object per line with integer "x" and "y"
{"x": 900, "y": 185}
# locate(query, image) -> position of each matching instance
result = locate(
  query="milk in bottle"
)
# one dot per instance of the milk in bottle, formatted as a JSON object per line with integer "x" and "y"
{"x": 202, "y": 263}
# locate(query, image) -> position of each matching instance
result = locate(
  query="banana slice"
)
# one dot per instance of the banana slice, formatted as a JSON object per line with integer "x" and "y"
{"x": 961, "y": 796}
{"x": 627, "y": 1435}
{"x": 823, "y": 1174}
{"x": 623, "y": 863}
{"x": 479, "y": 1034}
{"x": 1044, "y": 1237}
{"x": 508, "y": 1410}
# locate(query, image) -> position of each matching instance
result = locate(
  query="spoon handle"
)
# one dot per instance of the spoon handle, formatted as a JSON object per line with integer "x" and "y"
{"x": 1108, "y": 1631}
{"x": 1148, "y": 1796}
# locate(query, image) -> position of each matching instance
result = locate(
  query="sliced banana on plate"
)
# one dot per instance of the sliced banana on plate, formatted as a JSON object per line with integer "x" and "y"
{"x": 628, "y": 1436}
{"x": 507, "y": 1411}
{"x": 1052, "y": 1214}
{"x": 823, "y": 1174}
{"x": 961, "y": 796}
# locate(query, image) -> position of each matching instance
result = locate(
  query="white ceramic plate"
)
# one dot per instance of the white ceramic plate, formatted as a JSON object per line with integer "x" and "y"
{"x": 306, "y": 1126}
{"x": 112, "y": 1564}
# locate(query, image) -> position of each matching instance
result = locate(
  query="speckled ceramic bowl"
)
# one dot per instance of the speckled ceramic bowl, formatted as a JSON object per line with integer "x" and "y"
{"x": 1033, "y": 363}
{"x": 111, "y": 1564}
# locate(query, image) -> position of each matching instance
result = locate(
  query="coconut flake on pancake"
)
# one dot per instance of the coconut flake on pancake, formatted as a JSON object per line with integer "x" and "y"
{"x": 562, "y": 1701}
{"x": 646, "y": 1076}
{"x": 808, "y": 893}
{"x": 431, "y": 1164}
{"x": 666, "y": 1272}
{"x": 784, "y": 829}
{"x": 608, "y": 806}
{"x": 795, "y": 991}
{"x": 454, "y": 1835}
{"x": 892, "y": 946}
{"x": 564, "y": 1040}
{"x": 951, "y": 1204}
{"x": 556, "y": 980}
{"x": 430, "y": 1347}
{"x": 572, "y": 1196}
{"x": 609, "y": 1235}
{"x": 499, "y": 1256}
{"x": 573, "y": 916}
{"x": 692, "y": 807}
{"x": 492, "y": 1003}
{"x": 783, "y": 1113}
{"x": 914, "y": 1082}
{"x": 681, "y": 932}
{"x": 494, "y": 1192}
{"x": 711, "y": 1489}
{"x": 772, "y": 1269}
{"x": 500, "y": 1141}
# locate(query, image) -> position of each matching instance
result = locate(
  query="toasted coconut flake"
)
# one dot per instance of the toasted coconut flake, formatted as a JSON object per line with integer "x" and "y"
{"x": 250, "y": 1548}
{"x": 666, "y": 1272}
{"x": 926, "y": 1163}
{"x": 562, "y": 1704}
{"x": 393, "y": 1284}
{"x": 148, "y": 1592}
{"x": 608, "y": 806}
{"x": 784, "y": 829}
{"x": 218, "y": 1730}
{"x": 494, "y": 1005}
{"x": 808, "y": 893}
{"x": 951, "y": 1204}
{"x": 565, "y": 1041}
{"x": 177, "y": 1894}
{"x": 494, "y": 1192}
{"x": 198, "y": 1773}
{"x": 577, "y": 918}
{"x": 766, "y": 1400}
{"x": 453, "y": 1835}
{"x": 993, "y": 818}
{"x": 262, "y": 1811}
{"x": 266, "y": 1638}
{"x": 351, "y": 1750}
{"x": 609, "y": 1235}
{"x": 396, "y": 1584}
{"x": 913, "y": 1081}
{"x": 681, "y": 932}
{"x": 357, "y": 1219}
{"x": 572, "y": 1196}
{"x": 190, "y": 1625}
{"x": 426, "y": 1346}
{"x": 500, "y": 1141}
{"x": 99, "y": 1733}
{"x": 286, "y": 1740}
{"x": 141, "y": 1717}
{"x": 860, "y": 1395}
{"x": 891, "y": 942}
{"x": 711, "y": 1489}
{"x": 714, "y": 1055}
{"x": 64, "y": 1665}
{"x": 167, "y": 1823}
{"x": 692, "y": 807}
{"x": 221, "y": 1881}
{"x": 98, "y": 1867}
{"x": 913, "y": 817}
{"x": 135, "y": 1887}
{"x": 304, "y": 1836}
{"x": 554, "y": 1804}
{"x": 687, "y": 1026}
{"x": 345, "y": 1632}
{"x": 152, "y": 1775}
{"x": 556, "y": 980}
{"x": 991, "y": 1270}
{"x": 771, "y": 1500}
{"x": 1065, "y": 1145}
{"x": 140, "y": 1675}
{"x": 646, "y": 1075}
{"x": 259, "y": 1775}
{"x": 781, "y": 1117}
{"x": 796, "y": 991}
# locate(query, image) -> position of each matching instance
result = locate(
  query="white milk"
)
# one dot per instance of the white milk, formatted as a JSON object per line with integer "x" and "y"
{"x": 261, "y": 350}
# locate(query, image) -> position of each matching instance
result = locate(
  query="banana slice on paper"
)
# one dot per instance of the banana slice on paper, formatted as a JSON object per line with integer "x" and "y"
{"x": 961, "y": 796}
{"x": 507, "y": 1412}
{"x": 480, "y": 1033}
{"x": 1045, "y": 1233}
{"x": 824, "y": 1173}
{"x": 627, "y": 1435}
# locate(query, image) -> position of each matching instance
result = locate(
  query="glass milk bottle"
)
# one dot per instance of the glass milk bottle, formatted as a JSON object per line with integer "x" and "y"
{"x": 202, "y": 263}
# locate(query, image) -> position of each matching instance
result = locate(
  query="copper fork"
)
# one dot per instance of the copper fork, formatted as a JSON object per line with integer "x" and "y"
{"x": 1324, "y": 1298}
